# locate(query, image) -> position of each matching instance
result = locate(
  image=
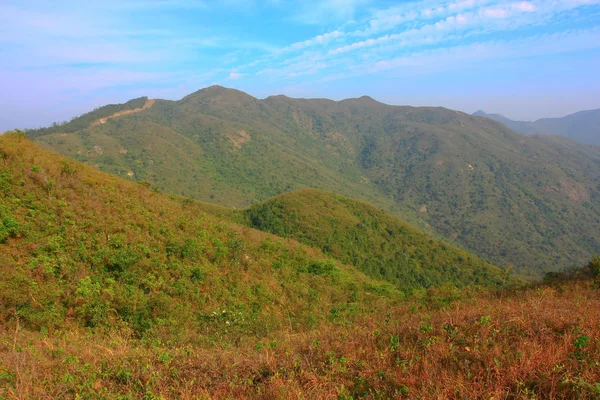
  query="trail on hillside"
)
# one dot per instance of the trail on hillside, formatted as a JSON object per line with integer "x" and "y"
{"x": 149, "y": 103}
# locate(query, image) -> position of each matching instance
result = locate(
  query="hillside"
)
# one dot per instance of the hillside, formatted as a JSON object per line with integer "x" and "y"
{"x": 583, "y": 126}
{"x": 376, "y": 243}
{"x": 110, "y": 289}
{"x": 80, "y": 248}
{"x": 509, "y": 199}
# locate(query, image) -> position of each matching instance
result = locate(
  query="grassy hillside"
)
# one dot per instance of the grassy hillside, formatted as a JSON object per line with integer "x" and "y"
{"x": 530, "y": 202}
{"x": 109, "y": 289}
{"x": 79, "y": 248}
{"x": 376, "y": 243}
{"x": 538, "y": 343}
{"x": 86, "y": 120}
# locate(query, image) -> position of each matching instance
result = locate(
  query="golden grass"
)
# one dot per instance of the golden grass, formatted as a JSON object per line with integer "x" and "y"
{"x": 541, "y": 343}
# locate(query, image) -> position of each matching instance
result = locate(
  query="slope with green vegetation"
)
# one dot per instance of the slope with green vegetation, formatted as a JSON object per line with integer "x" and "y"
{"x": 109, "y": 289}
{"x": 531, "y": 202}
{"x": 85, "y": 249}
{"x": 538, "y": 343}
{"x": 88, "y": 119}
{"x": 378, "y": 244}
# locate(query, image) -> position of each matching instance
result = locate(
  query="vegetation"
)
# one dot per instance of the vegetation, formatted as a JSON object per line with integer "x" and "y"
{"x": 110, "y": 289}
{"x": 376, "y": 243}
{"x": 536, "y": 343}
{"x": 525, "y": 201}
{"x": 83, "y": 122}
{"x": 83, "y": 247}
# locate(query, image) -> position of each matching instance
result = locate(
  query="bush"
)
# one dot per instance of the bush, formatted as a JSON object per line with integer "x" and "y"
{"x": 594, "y": 267}
{"x": 9, "y": 227}
{"x": 322, "y": 267}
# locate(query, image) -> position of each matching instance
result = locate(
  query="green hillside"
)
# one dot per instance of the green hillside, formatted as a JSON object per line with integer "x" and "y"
{"x": 376, "y": 243}
{"x": 81, "y": 248}
{"x": 510, "y": 199}
{"x": 84, "y": 121}
{"x": 109, "y": 289}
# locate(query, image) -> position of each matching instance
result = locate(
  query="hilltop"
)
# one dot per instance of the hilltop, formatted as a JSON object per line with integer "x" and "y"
{"x": 378, "y": 244}
{"x": 510, "y": 199}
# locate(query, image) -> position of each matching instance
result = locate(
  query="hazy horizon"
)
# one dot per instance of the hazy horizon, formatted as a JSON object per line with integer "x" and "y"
{"x": 523, "y": 59}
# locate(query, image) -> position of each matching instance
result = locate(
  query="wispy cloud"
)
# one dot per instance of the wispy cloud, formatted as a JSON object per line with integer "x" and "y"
{"x": 63, "y": 49}
{"x": 442, "y": 26}
{"x": 326, "y": 11}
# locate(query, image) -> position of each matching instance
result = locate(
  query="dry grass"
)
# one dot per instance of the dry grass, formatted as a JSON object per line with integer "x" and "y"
{"x": 541, "y": 343}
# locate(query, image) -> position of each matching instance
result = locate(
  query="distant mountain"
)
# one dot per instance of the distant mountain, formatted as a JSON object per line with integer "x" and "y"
{"x": 510, "y": 199}
{"x": 583, "y": 126}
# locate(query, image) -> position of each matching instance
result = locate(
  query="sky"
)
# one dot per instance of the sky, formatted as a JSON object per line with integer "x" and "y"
{"x": 523, "y": 59}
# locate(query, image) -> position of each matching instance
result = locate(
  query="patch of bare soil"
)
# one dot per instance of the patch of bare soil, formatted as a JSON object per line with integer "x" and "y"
{"x": 147, "y": 105}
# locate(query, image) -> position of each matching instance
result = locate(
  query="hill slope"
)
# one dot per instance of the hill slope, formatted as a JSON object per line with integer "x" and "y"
{"x": 583, "y": 126}
{"x": 378, "y": 244}
{"x": 86, "y": 249}
{"x": 510, "y": 199}
{"x": 111, "y": 290}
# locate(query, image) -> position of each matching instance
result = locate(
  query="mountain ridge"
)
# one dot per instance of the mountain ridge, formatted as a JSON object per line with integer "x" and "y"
{"x": 511, "y": 199}
{"x": 582, "y": 126}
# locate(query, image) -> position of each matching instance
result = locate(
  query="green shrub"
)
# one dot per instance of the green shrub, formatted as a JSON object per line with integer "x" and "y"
{"x": 9, "y": 227}
{"x": 122, "y": 259}
{"x": 322, "y": 267}
{"x": 594, "y": 267}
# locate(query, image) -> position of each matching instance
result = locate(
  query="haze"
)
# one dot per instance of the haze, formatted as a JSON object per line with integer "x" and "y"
{"x": 524, "y": 59}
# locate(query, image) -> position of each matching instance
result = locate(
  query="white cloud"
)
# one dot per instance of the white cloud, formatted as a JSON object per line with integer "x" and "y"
{"x": 235, "y": 75}
{"x": 524, "y": 6}
{"x": 446, "y": 58}
{"x": 317, "y": 40}
{"x": 495, "y": 12}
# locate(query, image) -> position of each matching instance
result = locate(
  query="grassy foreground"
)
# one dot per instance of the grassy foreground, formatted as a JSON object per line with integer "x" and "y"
{"x": 540, "y": 343}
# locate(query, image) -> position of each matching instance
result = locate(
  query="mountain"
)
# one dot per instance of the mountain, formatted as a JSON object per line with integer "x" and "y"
{"x": 83, "y": 245}
{"x": 510, "y": 199}
{"x": 583, "y": 126}
{"x": 378, "y": 244}
{"x": 110, "y": 289}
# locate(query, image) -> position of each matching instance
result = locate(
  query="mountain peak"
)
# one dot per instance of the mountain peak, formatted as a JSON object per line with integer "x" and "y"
{"x": 479, "y": 113}
{"x": 218, "y": 92}
{"x": 363, "y": 100}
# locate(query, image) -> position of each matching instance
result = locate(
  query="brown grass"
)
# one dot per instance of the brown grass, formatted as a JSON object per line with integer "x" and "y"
{"x": 541, "y": 343}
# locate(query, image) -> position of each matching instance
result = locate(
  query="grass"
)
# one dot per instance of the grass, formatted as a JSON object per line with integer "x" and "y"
{"x": 83, "y": 245}
{"x": 110, "y": 289}
{"x": 541, "y": 343}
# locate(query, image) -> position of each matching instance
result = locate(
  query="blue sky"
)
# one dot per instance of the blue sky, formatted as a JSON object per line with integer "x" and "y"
{"x": 525, "y": 59}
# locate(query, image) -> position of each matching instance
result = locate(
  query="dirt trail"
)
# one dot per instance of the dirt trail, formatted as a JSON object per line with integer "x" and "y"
{"x": 147, "y": 105}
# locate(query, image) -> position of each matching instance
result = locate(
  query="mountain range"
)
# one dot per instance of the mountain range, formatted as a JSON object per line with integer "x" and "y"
{"x": 111, "y": 289}
{"x": 583, "y": 126}
{"x": 527, "y": 201}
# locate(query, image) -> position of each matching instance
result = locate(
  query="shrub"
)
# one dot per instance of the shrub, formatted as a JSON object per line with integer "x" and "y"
{"x": 9, "y": 227}
{"x": 594, "y": 267}
{"x": 322, "y": 267}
